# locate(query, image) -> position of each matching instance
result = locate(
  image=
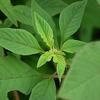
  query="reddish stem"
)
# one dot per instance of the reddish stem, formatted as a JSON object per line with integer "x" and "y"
{"x": 16, "y": 95}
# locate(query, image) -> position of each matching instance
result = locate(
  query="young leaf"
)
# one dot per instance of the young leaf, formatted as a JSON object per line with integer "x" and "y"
{"x": 83, "y": 80}
{"x": 70, "y": 19}
{"x": 61, "y": 64}
{"x": 7, "y": 8}
{"x": 44, "y": 29}
{"x": 13, "y": 77}
{"x": 36, "y": 8}
{"x": 47, "y": 56}
{"x": 44, "y": 90}
{"x": 19, "y": 41}
{"x": 72, "y": 46}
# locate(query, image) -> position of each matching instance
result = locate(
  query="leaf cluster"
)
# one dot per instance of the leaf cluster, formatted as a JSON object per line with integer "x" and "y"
{"x": 37, "y": 47}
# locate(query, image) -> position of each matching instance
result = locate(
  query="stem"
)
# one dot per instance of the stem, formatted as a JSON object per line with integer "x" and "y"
{"x": 46, "y": 76}
{"x": 56, "y": 76}
{"x": 16, "y": 95}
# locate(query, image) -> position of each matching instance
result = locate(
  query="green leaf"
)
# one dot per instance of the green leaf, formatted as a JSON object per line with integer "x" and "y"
{"x": 83, "y": 80}
{"x": 44, "y": 90}
{"x": 23, "y": 14}
{"x": 53, "y": 7}
{"x": 44, "y": 29}
{"x": 70, "y": 19}
{"x": 13, "y": 77}
{"x": 36, "y": 8}
{"x": 61, "y": 64}
{"x": 72, "y": 46}
{"x": 7, "y": 8}
{"x": 19, "y": 41}
{"x": 46, "y": 57}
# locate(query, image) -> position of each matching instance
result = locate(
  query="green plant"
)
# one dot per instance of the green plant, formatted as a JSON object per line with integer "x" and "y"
{"x": 39, "y": 48}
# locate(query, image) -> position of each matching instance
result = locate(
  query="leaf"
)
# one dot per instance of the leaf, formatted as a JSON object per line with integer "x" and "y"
{"x": 72, "y": 46}
{"x": 13, "y": 77}
{"x": 44, "y": 90}
{"x": 7, "y": 8}
{"x": 53, "y": 7}
{"x": 46, "y": 57}
{"x": 36, "y": 8}
{"x": 89, "y": 23}
{"x": 83, "y": 79}
{"x": 61, "y": 65}
{"x": 70, "y": 19}
{"x": 32, "y": 61}
{"x": 44, "y": 29}
{"x": 23, "y": 14}
{"x": 19, "y": 41}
